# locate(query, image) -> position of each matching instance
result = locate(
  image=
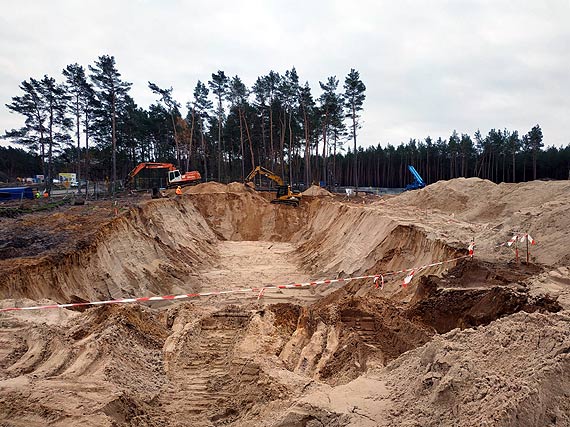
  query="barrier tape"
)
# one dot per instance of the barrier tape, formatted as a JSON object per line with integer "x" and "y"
{"x": 408, "y": 279}
{"x": 520, "y": 237}
{"x": 260, "y": 291}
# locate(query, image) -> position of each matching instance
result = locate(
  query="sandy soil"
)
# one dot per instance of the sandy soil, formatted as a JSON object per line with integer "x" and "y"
{"x": 481, "y": 341}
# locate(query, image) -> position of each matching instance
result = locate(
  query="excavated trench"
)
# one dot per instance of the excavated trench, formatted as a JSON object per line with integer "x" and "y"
{"x": 225, "y": 359}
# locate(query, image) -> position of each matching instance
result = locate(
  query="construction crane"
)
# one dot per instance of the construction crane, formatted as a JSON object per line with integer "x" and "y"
{"x": 158, "y": 177}
{"x": 418, "y": 181}
{"x": 284, "y": 196}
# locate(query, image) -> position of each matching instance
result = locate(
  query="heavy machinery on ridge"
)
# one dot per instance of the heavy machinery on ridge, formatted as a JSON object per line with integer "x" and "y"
{"x": 284, "y": 196}
{"x": 160, "y": 175}
{"x": 418, "y": 180}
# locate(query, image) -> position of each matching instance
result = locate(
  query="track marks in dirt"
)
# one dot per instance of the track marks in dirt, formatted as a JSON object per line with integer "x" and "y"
{"x": 211, "y": 380}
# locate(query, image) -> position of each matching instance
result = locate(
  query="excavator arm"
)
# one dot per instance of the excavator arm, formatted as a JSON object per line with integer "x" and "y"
{"x": 284, "y": 194}
{"x": 260, "y": 170}
{"x": 149, "y": 165}
{"x": 130, "y": 181}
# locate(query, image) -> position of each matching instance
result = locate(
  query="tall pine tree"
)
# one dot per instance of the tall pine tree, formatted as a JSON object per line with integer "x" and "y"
{"x": 173, "y": 108}
{"x": 111, "y": 94}
{"x": 30, "y": 104}
{"x": 353, "y": 99}
{"x": 219, "y": 86}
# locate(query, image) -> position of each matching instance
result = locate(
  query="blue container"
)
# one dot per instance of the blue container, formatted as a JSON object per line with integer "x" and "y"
{"x": 16, "y": 193}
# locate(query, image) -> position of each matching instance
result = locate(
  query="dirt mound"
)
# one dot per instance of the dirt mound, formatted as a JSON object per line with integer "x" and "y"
{"x": 511, "y": 373}
{"x": 491, "y": 213}
{"x": 100, "y": 368}
{"x": 206, "y": 187}
{"x": 454, "y": 196}
{"x": 315, "y": 190}
{"x": 239, "y": 187}
{"x": 481, "y": 200}
{"x": 474, "y": 294}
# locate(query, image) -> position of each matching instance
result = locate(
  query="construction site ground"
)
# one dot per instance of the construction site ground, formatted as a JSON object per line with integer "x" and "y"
{"x": 482, "y": 340}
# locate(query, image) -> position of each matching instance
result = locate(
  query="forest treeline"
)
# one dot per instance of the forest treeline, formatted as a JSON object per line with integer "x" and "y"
{"x": 89, "y": 124}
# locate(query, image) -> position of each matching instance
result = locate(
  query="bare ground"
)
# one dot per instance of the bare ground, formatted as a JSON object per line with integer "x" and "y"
{"x": 475, "y": 342}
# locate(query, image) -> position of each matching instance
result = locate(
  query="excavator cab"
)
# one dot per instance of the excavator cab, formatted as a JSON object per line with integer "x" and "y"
{"x": 174, "y": 176}
{"x": 285, "y": 196}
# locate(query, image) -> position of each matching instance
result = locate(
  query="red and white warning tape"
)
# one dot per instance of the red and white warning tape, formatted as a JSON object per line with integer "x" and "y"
{"x": 260, "y": 291}
{"x": 520, "y": 237}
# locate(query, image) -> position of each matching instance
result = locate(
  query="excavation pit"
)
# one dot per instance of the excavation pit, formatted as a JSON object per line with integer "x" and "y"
{"x": 241, "y": 358}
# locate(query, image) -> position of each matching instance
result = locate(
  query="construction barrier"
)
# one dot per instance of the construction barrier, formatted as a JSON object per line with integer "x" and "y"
{"x": 260, "y": 291}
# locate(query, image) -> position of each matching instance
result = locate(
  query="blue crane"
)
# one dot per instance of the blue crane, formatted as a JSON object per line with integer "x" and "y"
{"x": 418, "y": 181}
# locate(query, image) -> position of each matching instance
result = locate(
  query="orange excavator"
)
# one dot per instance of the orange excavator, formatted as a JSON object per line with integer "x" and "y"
{"x": 159, "y": 175}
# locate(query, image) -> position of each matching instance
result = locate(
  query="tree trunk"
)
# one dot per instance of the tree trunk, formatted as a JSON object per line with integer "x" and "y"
{"x": 113, "y": 141}
{"x": 219, "y": 138}
{"x": 290, "y": 151}
{"x": 241, "y": 146}
{"x": 514, "y": 177}
{"x": 189, "y": 159}
{"x": 175, "y": 140}
{"x": 355, "y": 152}
{"x": 325, "y": 128}
{"x": 42, "y": 141}
{"x": 271, "y": 151}
{"x": 77, "y": 114}
{"x": 87, "y": 146}
{"x": 282, "y": 122}
{"x": 249, "y": 141}
{"x": 203, "y": 149}
{"x": 307, "y": 149}
{"x": 50, "y": 148}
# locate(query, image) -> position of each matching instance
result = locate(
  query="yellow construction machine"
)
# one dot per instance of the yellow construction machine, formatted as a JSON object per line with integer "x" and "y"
{"x": 285, "y": 196}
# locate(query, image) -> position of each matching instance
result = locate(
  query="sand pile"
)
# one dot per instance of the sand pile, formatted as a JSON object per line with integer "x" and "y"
{"x": 517, "y": 369}
{"x": 514, "y": 373}
{"x": 315, "y": 190}
{"x": 491, "y": 213}
{"x": 101, "y": 368}
{"x": 206, "y": 187}
{"x": 477, "y": 199}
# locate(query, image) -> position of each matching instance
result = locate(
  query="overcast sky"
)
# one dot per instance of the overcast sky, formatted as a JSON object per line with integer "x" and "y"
{"x": 429, "y": 66}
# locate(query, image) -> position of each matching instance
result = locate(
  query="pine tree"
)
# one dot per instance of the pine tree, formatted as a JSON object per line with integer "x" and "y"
{"x": 111, "y": 94}
{"x": 287, "y": 92}
{"x": 353, "y": 99}
{"x": 329, "y": 101}
{"x": 173, "y": 109}
{"x": 307, "y": 106}
{"x": 82, "y": 104}
{"x": 201, "y": 106}
{"x": 219, "y": 86}
{"x": 58, "y": 125}
{"x": 31, "y": 106}
{"x": 270, "y": 85}
{"x": 238, "y": 97}
{"x": 515, "y": 145}
{"x": 534, "y": 144}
